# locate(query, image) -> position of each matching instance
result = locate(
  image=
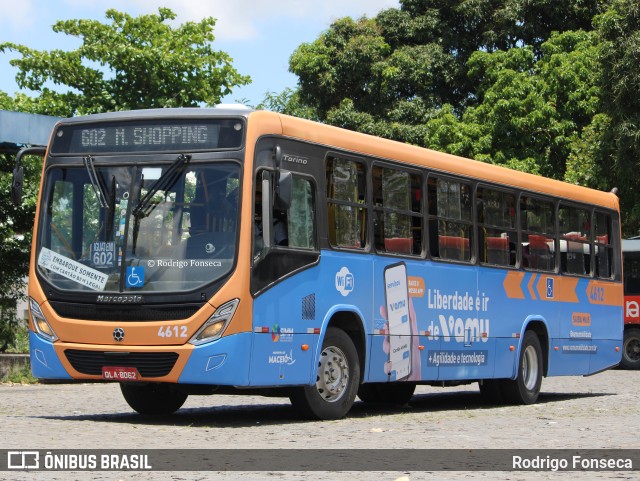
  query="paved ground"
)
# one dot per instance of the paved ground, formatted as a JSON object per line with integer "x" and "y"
{"x": 601, "y": 411}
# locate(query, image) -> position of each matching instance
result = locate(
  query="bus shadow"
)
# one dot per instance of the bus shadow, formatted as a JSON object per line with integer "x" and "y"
{"x": 240, "y": 416}
{"x": 452, "y": 401}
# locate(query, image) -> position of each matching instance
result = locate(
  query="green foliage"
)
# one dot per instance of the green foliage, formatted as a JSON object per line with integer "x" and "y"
{"x": 334, "y": 65}
{"x": 619, "y": 149}
{"x": 287, "y": 102}
{"x": 16, "y": 223}
{"x": 20, "y": 375}
{"x": 547, "y": 86}
{"x": 128, "y": 63}
{"x": 20, "y": 335}
{"x": 531, "y": 111}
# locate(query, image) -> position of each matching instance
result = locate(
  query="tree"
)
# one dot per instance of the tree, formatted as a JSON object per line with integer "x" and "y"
{"x": 129, "y": 63}
{"x": 530, "y": 111}
{"x": 545, "y": 86}
{"x": 287, "y": 102}
{"x": 418, "y": 54}
{"x": 618, "y": 151}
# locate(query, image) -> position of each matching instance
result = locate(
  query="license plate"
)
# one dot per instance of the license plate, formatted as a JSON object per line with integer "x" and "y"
{"x": 114, "y": 373}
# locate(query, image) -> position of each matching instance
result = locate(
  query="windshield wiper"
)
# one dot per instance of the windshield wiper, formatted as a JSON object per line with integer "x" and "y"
{"x": 98, "y": 187}
{"x": 164, "y": 182}
{"x": 112, "y": 208}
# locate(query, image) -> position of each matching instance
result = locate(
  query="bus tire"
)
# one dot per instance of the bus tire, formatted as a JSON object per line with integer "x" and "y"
{"x": 631, "y": 349}
{"x": 337, "y": 379}
{"x": 392, "y": 393}
{"x": 526, "y": 387}
{"x": 153, "y": 399}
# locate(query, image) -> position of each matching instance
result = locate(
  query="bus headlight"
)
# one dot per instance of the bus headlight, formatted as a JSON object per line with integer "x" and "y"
{"x": 216, "y": 324}
{"x": 43, "y": 329}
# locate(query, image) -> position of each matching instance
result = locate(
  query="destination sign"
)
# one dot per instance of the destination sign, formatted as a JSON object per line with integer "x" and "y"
{"x": 149, "y": 136}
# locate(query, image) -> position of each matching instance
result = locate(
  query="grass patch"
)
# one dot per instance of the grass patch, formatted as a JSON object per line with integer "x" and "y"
{"x": 20, "y": 344}
{"x": 20, "y": 375}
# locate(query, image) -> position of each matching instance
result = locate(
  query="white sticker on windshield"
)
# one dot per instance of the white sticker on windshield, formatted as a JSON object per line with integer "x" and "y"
{"x": 71, "y": 269}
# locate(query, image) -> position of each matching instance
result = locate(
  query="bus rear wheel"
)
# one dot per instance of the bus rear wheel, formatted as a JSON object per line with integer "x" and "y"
{"x": 153, "y": 399}
{"x": 394, "y": 393}
{"x": 525, "y": 389}
{"x": 337, "y": 380}
{"x": 631, "y": 349}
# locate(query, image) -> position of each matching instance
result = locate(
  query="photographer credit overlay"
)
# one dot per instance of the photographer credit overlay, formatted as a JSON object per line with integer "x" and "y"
{"x": 315, "y": 460}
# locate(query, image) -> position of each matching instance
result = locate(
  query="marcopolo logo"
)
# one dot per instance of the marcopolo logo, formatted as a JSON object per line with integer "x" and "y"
{"x": 345, "y": 282}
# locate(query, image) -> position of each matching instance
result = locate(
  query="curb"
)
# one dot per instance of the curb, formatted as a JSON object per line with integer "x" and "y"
{"x": 10, "y": 361}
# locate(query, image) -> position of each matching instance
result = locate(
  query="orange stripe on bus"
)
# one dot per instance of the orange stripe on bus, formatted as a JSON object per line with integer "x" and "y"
{"x": 531, "y": 284}
{"x": 605, "y": 293}
{"x": 564, "y": 288}
{"x": 512, "y": 283}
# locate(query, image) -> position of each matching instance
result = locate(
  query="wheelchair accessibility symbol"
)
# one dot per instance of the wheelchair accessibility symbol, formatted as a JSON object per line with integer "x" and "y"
{"x": 135, "y": 276}
{"x": 549, "y": 288}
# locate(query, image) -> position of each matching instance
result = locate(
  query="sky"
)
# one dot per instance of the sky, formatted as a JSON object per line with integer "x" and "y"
{"x": 259, "y": 35}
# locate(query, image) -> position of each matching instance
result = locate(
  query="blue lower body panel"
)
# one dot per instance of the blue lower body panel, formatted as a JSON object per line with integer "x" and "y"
{"x": 224, "y": 362}
{"x": 44, "y": 360}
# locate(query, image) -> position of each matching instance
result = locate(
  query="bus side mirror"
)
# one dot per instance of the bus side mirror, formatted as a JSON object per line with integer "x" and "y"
{"x": 284, "y": 190}
{"x": 16, "y": 185}
{"x": 18, "y": 172}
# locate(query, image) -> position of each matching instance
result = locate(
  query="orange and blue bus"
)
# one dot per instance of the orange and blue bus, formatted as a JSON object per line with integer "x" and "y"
{"x": 202, "y": 251}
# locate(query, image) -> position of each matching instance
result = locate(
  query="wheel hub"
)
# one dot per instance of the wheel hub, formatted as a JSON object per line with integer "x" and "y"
{"x": 633, "y": 350}
{"x": 333, "y": 374}
{"x": 530, "y": 367}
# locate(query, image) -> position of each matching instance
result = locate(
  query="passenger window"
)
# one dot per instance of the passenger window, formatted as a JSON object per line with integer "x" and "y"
{"x": 603, "y": 248}
{"x": 293, "y": 227}
{"x": 449, "y": 219}
{"x": 300, "y": 214}
{"x": 497, "y": 235}
{"x": 575, "y": 254}
{"x": 346, "y": 194}
{"x": 537, "y": 218}
{"x": 397, "y": 206}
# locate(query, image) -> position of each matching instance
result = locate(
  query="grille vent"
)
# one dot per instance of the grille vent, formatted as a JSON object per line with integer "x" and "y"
{"x": 124, "y": 313}
{"x": 148, "y": 364}
{"x": 309, "y": 307}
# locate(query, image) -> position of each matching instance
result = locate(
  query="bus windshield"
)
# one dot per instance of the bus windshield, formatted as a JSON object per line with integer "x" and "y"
{"x": 138, "y": 228}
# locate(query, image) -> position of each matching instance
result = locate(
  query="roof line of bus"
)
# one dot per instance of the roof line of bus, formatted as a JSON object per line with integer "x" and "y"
{"x": 365, "y": 144}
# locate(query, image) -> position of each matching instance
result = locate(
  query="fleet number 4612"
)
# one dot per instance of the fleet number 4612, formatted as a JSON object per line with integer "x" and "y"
{"x": 597, "y": 294}
{"x": 172, "y": 331}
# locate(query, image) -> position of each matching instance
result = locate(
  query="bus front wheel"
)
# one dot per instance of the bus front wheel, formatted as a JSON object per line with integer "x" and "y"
{"x": 153, "y": 399}
{"x": 337, "y": 378}
{"x": 631, "y": 349}
{"x": 526, "y": 387}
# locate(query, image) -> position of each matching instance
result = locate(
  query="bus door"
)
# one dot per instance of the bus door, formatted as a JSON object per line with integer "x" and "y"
{"x": 285, "y": 280}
